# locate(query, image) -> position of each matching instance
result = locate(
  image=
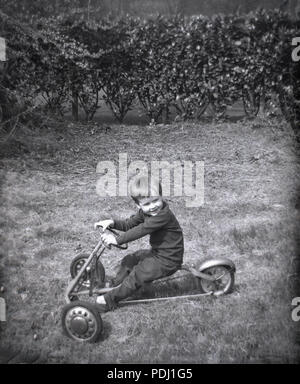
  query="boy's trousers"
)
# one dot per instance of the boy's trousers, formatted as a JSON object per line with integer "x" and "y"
{"x": 136, "y": 269}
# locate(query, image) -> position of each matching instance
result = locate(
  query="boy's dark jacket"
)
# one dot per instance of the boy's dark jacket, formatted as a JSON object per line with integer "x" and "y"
{"x": 166, "y": 237}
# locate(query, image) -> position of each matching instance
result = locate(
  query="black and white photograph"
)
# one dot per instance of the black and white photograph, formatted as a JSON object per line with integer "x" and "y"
{"x": 149, "y": 184}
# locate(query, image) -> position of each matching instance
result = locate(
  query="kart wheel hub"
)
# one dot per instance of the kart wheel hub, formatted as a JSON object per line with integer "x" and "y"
{"x": 81, "y": 323}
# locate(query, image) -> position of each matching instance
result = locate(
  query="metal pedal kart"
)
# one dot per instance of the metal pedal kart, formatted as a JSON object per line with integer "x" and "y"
{"x": 81, "y": 319}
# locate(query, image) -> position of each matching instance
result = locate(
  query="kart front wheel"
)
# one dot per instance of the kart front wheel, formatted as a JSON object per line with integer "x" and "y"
{"x": 224, "y": 280}
{"x": 81, "y": 321}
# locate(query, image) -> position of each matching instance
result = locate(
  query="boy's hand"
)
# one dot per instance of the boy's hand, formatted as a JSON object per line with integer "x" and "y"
{"x": 104, "y": 224}
{"x": 108, "y": 239}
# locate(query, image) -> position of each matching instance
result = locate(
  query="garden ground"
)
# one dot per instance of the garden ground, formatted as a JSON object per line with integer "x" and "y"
{"x": 250, "y": 215}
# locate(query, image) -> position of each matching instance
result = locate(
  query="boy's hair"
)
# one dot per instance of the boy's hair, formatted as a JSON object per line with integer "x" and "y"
{"x": 139, "y": 188}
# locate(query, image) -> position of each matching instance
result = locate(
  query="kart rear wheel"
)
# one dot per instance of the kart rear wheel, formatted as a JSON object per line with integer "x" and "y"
{"x": 76, "y": 266}
{"x": 224, "y": 280}
{"x": 81, "y": 321}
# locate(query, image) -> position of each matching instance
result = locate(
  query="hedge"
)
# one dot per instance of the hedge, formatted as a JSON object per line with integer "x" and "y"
{"x": 164, "y": 64}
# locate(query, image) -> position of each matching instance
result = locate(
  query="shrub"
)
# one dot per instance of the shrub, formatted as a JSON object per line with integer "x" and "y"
{"x": 164, "y": 63}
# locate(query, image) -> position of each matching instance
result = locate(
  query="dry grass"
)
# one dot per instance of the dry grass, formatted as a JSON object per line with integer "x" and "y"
{"x": 49, "y": 204}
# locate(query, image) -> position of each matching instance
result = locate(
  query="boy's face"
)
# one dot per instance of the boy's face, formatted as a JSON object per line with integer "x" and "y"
{"x": 151, "y": 205}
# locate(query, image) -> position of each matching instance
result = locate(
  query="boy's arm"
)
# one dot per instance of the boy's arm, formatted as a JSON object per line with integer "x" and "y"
{"x": 133, "y": 221}
{"x": 150, "y": 225}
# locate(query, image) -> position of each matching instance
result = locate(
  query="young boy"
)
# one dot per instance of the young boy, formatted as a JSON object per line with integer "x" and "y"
{"x": 165, "y": 257}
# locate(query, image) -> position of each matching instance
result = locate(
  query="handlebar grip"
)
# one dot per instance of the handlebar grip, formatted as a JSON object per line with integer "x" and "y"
{"x": 124, "y": 246}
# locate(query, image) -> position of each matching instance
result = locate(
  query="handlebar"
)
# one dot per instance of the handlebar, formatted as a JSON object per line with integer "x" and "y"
{"x": 124, "y": 246}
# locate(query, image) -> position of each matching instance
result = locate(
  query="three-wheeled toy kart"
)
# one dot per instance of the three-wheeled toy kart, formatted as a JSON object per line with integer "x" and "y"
{"x": 81, "y": 319}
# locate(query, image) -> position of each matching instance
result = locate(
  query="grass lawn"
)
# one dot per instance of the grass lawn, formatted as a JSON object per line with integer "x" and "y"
{"x": 250, "y": 215}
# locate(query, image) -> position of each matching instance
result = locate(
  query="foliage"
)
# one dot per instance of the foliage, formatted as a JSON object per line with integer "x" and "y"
{"x": 165, "y": 63}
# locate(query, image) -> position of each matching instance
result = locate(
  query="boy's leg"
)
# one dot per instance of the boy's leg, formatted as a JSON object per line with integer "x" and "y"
{"x": 127, "y": 264}
{"x": 147, "y": 270}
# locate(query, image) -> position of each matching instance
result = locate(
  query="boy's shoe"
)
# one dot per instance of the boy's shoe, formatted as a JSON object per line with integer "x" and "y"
{"x": 102, "y": 305}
